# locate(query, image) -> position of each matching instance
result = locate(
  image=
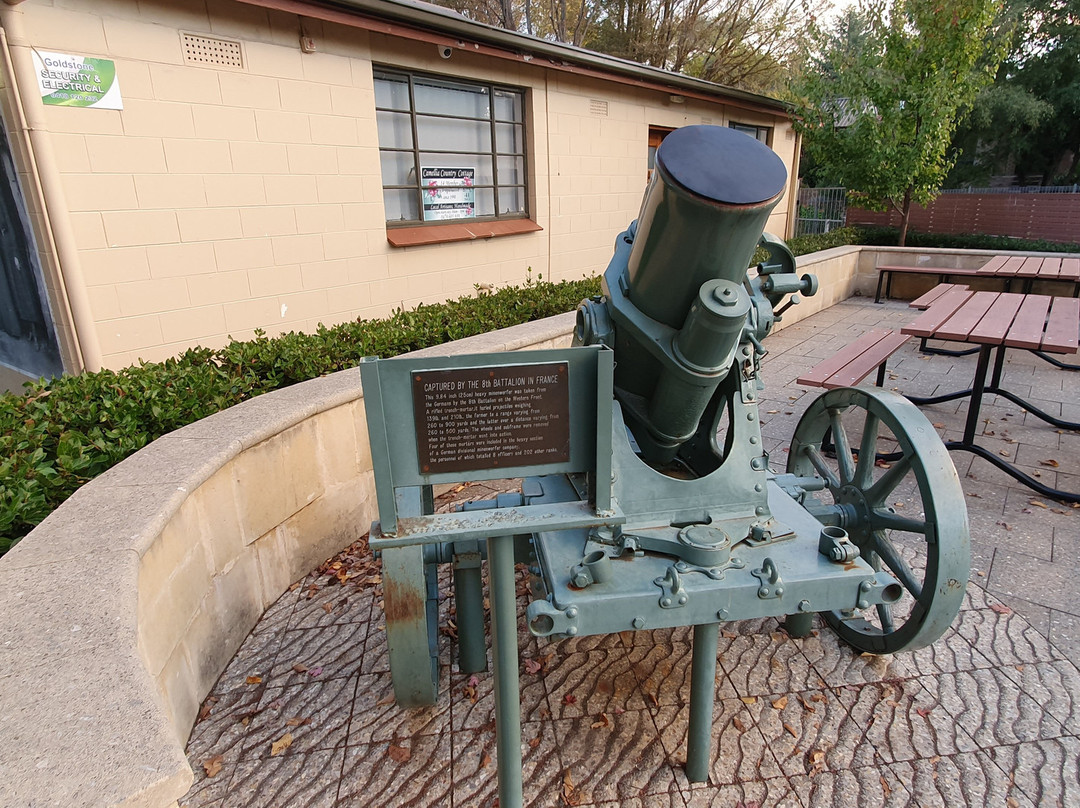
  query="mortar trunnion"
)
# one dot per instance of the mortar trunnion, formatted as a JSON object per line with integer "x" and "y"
{"x": 648, "y": 501}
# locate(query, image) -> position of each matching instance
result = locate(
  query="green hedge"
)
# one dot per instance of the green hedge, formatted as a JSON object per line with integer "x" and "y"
{"x": 62, "y": 433}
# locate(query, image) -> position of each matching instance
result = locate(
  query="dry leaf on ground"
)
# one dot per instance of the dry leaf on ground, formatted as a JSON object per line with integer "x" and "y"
{"x": 253, "y": 680}
{"x": 399, "y": 754}
{"x": 212, "y": 766}
{"x": 1000, "y": 608}
{"x": 281, "y": 744}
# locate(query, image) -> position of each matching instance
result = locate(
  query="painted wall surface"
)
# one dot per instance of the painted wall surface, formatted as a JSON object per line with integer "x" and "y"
{"x": 223, "y": 200}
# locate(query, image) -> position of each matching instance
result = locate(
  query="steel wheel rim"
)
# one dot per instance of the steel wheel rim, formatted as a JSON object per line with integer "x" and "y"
{"x": 936, "y": 591}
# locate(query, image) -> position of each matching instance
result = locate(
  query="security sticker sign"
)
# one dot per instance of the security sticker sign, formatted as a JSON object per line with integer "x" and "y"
{"x": 77, "y": 81}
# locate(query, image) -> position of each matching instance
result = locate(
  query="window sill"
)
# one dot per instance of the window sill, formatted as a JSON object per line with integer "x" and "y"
{"x": 459, "y": 231}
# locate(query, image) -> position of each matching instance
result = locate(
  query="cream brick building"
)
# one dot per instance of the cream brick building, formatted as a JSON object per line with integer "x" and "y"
{"x": 262, "y": 145}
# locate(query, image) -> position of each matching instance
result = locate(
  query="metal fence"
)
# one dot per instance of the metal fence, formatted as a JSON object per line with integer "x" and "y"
{"x": 1017, "y": 189}
{"x": 821, "y": 210}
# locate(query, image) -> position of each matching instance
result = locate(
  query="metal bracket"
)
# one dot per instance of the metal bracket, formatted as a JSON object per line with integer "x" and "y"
{"x": 833, "y": 543}
{"x": 674, "y": 596}
{"x": 772, "y": 585}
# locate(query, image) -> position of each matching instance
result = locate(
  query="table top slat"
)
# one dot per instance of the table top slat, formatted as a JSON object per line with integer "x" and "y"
{"x": 959, "y": 325}
{"x": 1062, "y": 326}
{"x": 1031, "y": 268}
{"x": 927, "y": 323}
{"x": 1070, "y": 269}
{"x": 1051, "y": 268}
{"x": 1027, "y": 327}
{"x": 995, "y": 324}
{"x": 928, "y": 299}
{"x": 993, "y": 265}
{"x": 823, "y": 370}
{"x": 862, "y": 366}
{"x": 1011, "y": 266}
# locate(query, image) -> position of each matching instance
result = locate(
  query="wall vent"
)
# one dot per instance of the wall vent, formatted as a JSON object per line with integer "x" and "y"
{"x": 210, "y": 50}
{"x": 598, "y": 107}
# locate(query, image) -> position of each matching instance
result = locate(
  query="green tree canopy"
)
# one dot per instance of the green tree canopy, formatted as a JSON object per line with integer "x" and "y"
{"x": 881, "y": 96}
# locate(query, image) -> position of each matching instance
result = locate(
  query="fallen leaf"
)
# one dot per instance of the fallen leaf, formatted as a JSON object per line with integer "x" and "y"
{"x": 973, "y": 494}
{"x": 1000, "y": 608}
{"x": 1003, "y": 452}
{"x": 1012, "y": 802}
{"x": 212, "y": 766}
{"x": 739, "y": 725}
{"x": 297, "y": 722}
{"x": 1058, "y": 510}
{"x": 385, "y": 700}
{"x": 315, "y": 671}
{"x": 749, "y": 699}
{"x": 1038, "y": 504}
{"x": 204, "y": 711}
{"x": 569, "y": 698}
{"x": 281, "y": 744}
{"x": 532, "y": 666}
{"x": 326, "y": 607}
{"x": 485, "y": 761}
{"x": 885, "y": 788}
{"x": 534, "y": 742}
{"x": 399, "y": 754}
{"x": 817, "y": 697}
{"x": 939, "y": 426}
{"x": 771, "y": 412}
{"x": 882, "y": 464}
{"x": 603, "y": 722}
{"x": 570, "y": 795}
{"x": 299, "y": 667}
{"x": 780, "y": 703}
{"x": 923, "y": 711}
{"x": 791, "y": 729}
{"x": 253, "y": 680}
{"x": 729, "y": 635}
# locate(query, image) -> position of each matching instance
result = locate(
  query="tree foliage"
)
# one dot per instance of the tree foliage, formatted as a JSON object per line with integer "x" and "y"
{"x": 1028, "y": 122}
{"x": 882, "y": 94}
{"x": 740, "y": 43}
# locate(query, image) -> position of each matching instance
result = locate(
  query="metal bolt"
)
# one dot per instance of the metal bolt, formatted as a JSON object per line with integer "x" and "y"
{"x": 665, "y": 602}
{"x": 804, "y": 605}
{"x": 749, "y": 416}
{"x": 682, "y": 600}
{"x": 572, "y": 630}
{"x": 721, "y": 614}
{"x": 864, "y": 604}
{"x": 639, "y": 622}
{"x": 758, "y": 487}
{"x": 763, "y": 592}
{"x": 753, "y": 438}
{"x": 760, "y": 510}
{"x": 681, "y": 566}
{"x": 779, "y": 591}
{"x": 571, "y": 612}
{"x": 581, "y": 580}
{"x": 866, "y": 586}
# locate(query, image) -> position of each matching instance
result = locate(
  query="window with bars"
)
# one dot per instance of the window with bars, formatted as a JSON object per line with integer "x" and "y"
{"x": 450, "y": 150}
{"x": 762, "y": 133}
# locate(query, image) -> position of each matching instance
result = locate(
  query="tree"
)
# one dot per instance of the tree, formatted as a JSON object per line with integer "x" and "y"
{"x": 880, "y": 98}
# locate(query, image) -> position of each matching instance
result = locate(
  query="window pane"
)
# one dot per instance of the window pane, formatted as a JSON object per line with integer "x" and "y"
{"x": 485, "y": 201}
{"x": 453, "y": 135}
{"x": 395, "y": 130}
{"x": 392, "y": 92}
{"x": 482, "y": 164}
{"x": 511, "y": 171}
{"x": 398, "y": 168}
{"x": 446, "y": 98}
{"x": 511, "y": 200}
{"x": 400, "y": 206}
{"x": 509, "y": 138}
{"x": 507, "y": 106}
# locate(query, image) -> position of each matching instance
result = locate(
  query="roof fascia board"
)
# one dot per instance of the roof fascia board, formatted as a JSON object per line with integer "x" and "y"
{"x": 411, "y": 22}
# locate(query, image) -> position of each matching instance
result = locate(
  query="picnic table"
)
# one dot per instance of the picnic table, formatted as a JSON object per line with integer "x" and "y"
{"x": 1009, "y": 268}
{"x": 994, "y": 322}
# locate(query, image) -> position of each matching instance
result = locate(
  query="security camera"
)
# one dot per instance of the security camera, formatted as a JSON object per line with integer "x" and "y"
{"x": 445, "y": 51}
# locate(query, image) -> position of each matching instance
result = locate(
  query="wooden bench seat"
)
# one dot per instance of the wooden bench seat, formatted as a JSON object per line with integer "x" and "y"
{"x": 853, "y": 363}
{"x": 1007, "y": 268}
{"x": 934, "y": 294}
{"x": 886, "y": 271}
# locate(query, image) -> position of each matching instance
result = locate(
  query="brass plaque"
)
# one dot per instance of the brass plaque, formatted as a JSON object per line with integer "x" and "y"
{"x": 491, "y": 417}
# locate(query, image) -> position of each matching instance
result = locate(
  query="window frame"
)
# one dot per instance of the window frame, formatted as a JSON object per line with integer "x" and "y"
{"x": 758, "y": 129}
{"x": 475, "y": 226}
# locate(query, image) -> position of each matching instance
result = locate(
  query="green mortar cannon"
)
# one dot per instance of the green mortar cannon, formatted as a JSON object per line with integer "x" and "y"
{"x": 648, "y": 501}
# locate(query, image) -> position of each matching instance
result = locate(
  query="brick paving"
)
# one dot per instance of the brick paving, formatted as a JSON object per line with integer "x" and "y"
{"x": 988, "y": 715}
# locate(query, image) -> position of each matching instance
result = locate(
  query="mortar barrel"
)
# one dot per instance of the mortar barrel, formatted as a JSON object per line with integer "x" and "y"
{"x": 701, "y": 218}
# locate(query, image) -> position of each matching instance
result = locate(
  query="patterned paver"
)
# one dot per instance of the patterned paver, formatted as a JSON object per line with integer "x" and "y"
{"x": 986, "y": 716}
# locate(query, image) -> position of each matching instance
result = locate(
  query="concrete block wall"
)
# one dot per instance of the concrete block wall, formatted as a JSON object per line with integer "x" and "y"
{"x": 222, "y": 200}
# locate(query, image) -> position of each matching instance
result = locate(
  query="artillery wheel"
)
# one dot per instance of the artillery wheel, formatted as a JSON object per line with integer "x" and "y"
{"x": 907, "y": 516}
